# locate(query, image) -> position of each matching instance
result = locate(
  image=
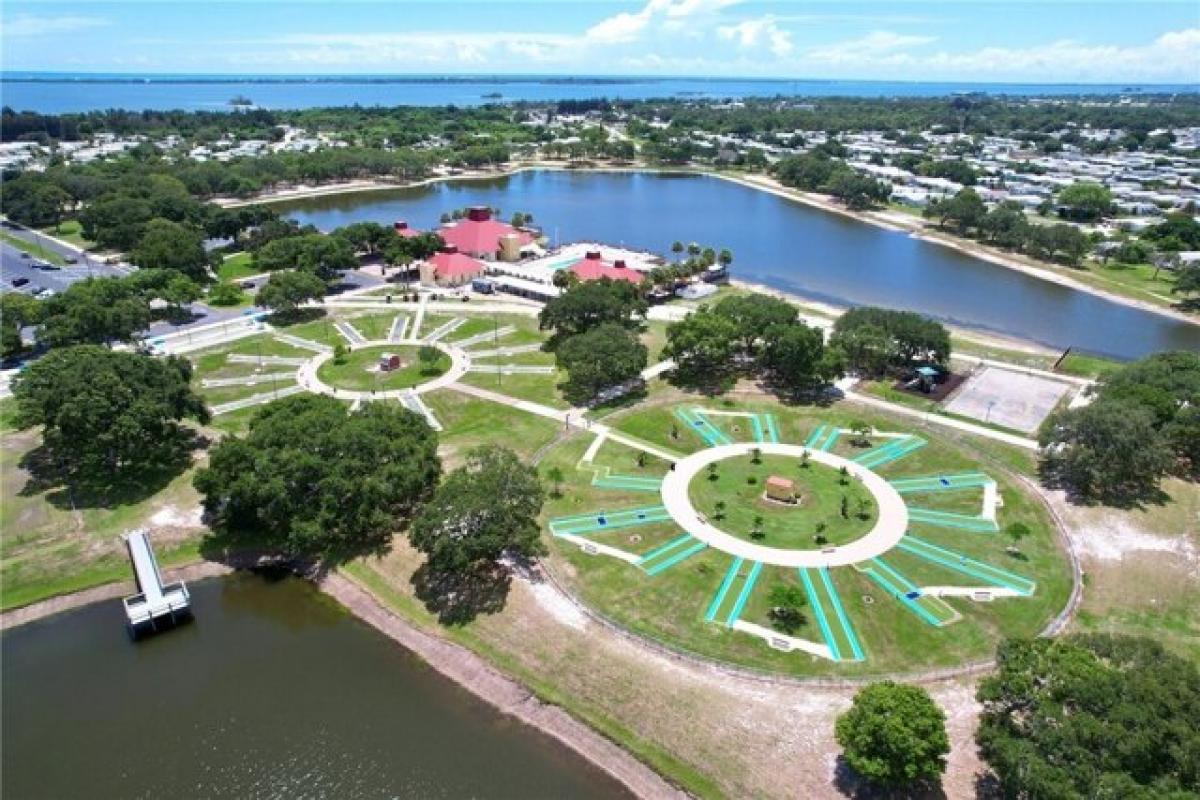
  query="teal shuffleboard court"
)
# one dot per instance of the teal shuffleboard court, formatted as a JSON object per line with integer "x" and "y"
{"x": 772, "y": 428}
{"x": 711, "y": 435}
{"x": 967, "y": 566}
{"x": 668, "y": 555}
{"x": 743, "y": 597}
{"x": 843, "y": 618}
{"x": 830, "y": 439}
{"x": 818, "y": 608}
{"x": 718, "y": 600}
{"x": 948, "y": 519}
{"x": 815, "y": 436}
{"x": 631, "y": 483}
{"x": 608, "y": 520}
{"x": 819, "y": 592}
{"x": 941, "y": 483}
{"x": 887, "y": 453}
{"x": 901, "y": 589}
{"x": 756, "y": 423}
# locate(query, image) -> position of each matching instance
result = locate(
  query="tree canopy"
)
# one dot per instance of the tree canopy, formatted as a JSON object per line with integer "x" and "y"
{"x": 108, "y": 415}
{"x": 171, "y": 245}
{"x": 1143, "y": 423}
{"x": 289, "y": 289}
{"x": 585, "y": 305}
{"x": 752, "y": 335}
{"x": 313, "y": 479}
{"x": 873, "y": 339}
{"x": 600, "y": 358}
{"x": 894, "y": 735}
{"x": 1092, "y": 716}
{"x": 1085, "y": 201}
{"x": 484, "y": 509}
{"x": 94, "y": 311}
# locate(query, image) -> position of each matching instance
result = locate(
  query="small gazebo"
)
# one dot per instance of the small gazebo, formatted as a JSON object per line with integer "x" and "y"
{"x": 781, "y": 489}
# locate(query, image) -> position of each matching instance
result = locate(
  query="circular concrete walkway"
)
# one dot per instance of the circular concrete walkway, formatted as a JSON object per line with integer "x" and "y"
{"x": 888, "y": 530}
{"x": 460, "y": 362}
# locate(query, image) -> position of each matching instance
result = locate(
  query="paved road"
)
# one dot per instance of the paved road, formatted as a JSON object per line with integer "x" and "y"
{"x": 13, "y": 266}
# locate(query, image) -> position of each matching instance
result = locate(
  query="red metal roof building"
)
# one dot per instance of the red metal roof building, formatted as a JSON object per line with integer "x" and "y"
{"x": 592, "y": 267}
{"x": 401, "y": 228}
{"x": 448, "y": 267}
{"x": 479, "y": 235}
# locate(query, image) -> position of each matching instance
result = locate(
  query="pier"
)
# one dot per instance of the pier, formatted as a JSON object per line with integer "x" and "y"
{"x": 155, "y": 603}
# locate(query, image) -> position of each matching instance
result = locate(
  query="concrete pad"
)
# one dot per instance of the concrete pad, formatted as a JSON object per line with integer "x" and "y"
{"x": 1005, "y": 397}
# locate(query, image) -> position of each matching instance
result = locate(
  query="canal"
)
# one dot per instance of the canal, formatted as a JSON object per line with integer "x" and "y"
{"x": 785, "y": 245}
{"x": 274, "y": 691}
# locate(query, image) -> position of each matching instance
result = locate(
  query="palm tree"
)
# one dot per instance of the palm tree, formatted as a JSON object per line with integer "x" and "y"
{"x": 725, "y": 257}
{"x": 755, "y": 456}
{"x": 719, "y": 507}
{"x": 556, "y": 477}
{"x": 676, "y": 247}
{"x": 712, "y": 472}
{"x": 693, "y": 249}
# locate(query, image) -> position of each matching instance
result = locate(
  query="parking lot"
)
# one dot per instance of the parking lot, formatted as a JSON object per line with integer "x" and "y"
{"x": 24, "y": 270}
{"x": 1004, "y": 397}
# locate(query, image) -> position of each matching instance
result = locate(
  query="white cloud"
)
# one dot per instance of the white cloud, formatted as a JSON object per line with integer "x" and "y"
{"x": 29, "y": 25}
{"x": 865, "y": 48}
{"x": 1172, "y": 57}
{"x": 759, "y": 33}
{"x": 629, "y": 26}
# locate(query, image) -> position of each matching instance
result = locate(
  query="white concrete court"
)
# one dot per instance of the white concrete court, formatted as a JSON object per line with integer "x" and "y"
{"x": 888, "y": 531}
{"x": 1005, "y": 397}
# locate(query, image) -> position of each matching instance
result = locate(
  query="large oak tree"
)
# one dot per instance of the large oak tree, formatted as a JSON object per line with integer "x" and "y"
{"x": 314, "y": 479}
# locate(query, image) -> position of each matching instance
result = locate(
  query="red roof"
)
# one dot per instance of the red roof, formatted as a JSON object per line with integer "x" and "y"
{"x": 592, "y": 267}
{"x": 451, "y": 264}
{"x": 401, "y": 228}
{"x": 479, "y": 233}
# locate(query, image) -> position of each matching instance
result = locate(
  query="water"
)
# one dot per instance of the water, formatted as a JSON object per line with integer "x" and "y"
{"x": 273, "y": 692}
{"x": 58, "y": 92}
{"x": 785, "y": 245}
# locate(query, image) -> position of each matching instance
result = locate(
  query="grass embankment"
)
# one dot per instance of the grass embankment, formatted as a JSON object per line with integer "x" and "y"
{"x": 57, "y": 541}
{"x": 236, "y": 267}
{"x": 740, "y": 485}
{"x": 70, "y": 231}
{"x": 33, "y": 248}
{"x": 671, "y": 605}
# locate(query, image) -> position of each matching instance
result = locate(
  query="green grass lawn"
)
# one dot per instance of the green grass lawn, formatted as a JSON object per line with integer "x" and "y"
{"x": 671, "y": 606}
{"x": 34, "y": 249}
{"x": 70, "y": 231}
{"x": 820, "y": 490}
{"x": 236, "y": 267}
{"x": 358, "y": 372}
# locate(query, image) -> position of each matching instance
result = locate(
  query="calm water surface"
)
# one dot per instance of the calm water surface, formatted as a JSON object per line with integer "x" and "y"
{"x": 785, "y": 245}
{"x": 273, "y": 691}
{"x": 59, "y": 93}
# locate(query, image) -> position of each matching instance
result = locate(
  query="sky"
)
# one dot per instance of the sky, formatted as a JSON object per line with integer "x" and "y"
{"x": 1051, "y": 41}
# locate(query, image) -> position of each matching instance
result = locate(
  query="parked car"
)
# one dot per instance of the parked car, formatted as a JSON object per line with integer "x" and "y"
{"x": 19, "y": 282}
{"x": 246, "y": 284}
{"x": 70, "y": 259}
{"x": 25, "y": 254}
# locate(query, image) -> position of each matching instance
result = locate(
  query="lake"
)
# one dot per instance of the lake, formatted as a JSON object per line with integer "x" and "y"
{"x": 63, "y": 92}
{"x": 274, "y": 691}
{"x": 782, "y": 244}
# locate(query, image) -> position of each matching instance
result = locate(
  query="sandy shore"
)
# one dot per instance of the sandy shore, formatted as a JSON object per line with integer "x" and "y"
{"x": 899, "y": 222}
